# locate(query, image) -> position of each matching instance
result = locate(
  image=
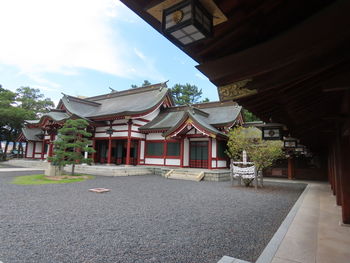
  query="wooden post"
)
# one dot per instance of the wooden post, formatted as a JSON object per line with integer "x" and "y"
{"x": 109, "y": 154}
{"x": 43, "y": 148}
{"x": 94, "y": 147}
{"x": 34, "y": 146}
{"x": 165, "y": 149}
{"x": 338, "y": 167}
{"x": 52, "y": 138}
{"x": 128, "y": 145}
{"x": 290, "y": 168}
{"x": 26, "y": 152}
{"x": 210, "y": 153}
{"x": 345, "y": 178}
{"x": 182, "y": 142}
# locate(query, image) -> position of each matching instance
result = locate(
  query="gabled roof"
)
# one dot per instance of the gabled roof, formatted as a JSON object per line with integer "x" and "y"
{"x": 31, "y": 134}
{"x": 198, "y": 121}
{"x": 205, "y": 116}
{"x": 127, "y": 102}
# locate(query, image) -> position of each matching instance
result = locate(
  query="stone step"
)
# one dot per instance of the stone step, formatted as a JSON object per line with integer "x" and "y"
{"x": 185, "y": 176}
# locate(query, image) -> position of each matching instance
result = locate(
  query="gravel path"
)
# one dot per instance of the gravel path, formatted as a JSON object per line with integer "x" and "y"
{"x": 143, "y": 219}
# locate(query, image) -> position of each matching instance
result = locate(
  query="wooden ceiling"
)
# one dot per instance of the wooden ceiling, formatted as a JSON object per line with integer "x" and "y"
{"x": 296, "y": 52}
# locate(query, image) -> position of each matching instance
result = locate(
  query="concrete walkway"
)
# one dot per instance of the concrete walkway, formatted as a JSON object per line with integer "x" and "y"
{"x": 311, "y": 233}
{"x": 316, "y": 234}
{"x": 18, "y": 169}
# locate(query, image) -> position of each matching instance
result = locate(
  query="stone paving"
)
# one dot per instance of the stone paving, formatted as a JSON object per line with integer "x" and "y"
{"x": 142, "y": 219}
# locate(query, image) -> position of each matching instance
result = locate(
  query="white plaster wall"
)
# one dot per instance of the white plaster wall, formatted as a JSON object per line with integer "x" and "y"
{"x": 213, "y": 164}
{"x": 154, "y": 161}
{"x": 213, "y": 148}
{"x": 139, "y": 122}
{"x": 37, "y": 155}
{"x": 137, "y": 135}
{"x": 172, "y": 162}
{"x": 221, "y": 163}
{"x": 135, "y": 128}
{"x": 119, "y": 134}
{"x": 119, "y": 121}
{"x": 99, "y": 135}
{"x": 186, "y": 152}
{"x": 193, "y": 131}
{"x": 47, "y": 137}
{"x": 120, "y": 127}
{"x": 30, "y": 149}
{"x": 142, "y": 150}
{"x": 102, "y": 129}
{"x": 154, "y": 136}
{"x": 38, "y": 147}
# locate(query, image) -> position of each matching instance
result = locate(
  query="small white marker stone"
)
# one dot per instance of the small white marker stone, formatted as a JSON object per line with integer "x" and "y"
{"x": 99, "y": 190}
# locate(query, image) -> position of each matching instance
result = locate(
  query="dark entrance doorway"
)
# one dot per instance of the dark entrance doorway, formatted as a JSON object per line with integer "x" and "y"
{"x": 199, "y": 154}
{"x": 118, "y": 151}
{"x": 101, "y": 148}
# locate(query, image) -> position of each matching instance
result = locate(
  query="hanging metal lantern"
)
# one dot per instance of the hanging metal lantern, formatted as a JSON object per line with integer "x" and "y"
{"x": 290, "y": 143}
{"x": 272, "y": 131}
{"x": 187, "y": 22}
{"x": 109, "y": 131}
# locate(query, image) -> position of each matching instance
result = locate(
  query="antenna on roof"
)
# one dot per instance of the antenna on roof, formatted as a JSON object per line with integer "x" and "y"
{"x": 112, "y": 90}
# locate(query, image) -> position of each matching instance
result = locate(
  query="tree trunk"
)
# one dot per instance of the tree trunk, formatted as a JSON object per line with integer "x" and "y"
{"x": 73, "y": 167}
{"x": 5, "y": 150}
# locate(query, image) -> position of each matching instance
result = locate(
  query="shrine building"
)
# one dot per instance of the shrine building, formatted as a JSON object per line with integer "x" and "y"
{"x": 141, "y": 126}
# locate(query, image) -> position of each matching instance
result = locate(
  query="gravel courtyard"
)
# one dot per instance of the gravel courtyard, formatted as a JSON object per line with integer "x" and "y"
{"x": 143, "y": 219}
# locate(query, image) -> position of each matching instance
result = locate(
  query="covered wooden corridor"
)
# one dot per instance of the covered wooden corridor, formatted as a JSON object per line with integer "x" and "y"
{"x": 285, "y": 61}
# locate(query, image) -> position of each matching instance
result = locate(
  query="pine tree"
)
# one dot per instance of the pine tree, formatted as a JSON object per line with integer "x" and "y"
{"x": 71, "y": 144}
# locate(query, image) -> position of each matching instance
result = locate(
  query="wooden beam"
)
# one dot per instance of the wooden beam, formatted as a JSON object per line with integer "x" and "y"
{"x": 319, "y": 33}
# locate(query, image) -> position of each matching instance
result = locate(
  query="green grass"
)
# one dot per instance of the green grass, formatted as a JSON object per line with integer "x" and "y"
{"x": 40, "y": 179}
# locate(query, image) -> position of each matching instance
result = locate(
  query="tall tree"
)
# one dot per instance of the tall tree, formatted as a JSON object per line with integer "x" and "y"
{"x": 262, "y": 153}
{"x": 32, "y": 100}
{"x": 144, "y": 84}
{"x": 186, "y": 94}
{"x": 15, "y": 107}
{"x": 249, "y": 117}
{"x": 72, "y": 142}
{"x": 11, "y": 117}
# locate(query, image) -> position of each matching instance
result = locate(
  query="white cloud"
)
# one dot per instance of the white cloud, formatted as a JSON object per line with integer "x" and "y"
{"x": 63, "y": 36}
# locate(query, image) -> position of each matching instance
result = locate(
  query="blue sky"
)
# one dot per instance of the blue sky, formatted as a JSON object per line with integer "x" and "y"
{"x": 82, "y": 47}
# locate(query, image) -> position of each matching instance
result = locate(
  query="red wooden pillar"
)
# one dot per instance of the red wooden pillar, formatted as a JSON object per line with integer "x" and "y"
{"x": 128, "y": 145}
{"x": 138, "y": 152}
{"x": 182, "y": 148}
{"x": 290, "y": 168}
{"x": 338, "y": 167}
{"x": 345, "y": 178}
{"x": 25, "y": 153}
{"x": 43, "y": 148}
{"x": 210, "y": 152}
{"x": 34, "y": 146}
{"x": 94, "y": 147}
{"x": 52, "y": 138}
{"x": 164, "y": 152}
{"x": 109, "y": 156}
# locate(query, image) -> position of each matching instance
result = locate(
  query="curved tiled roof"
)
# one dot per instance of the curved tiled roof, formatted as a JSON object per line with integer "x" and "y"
{"x": 128, "y": 102}
{"x": 206, "y": 115}
{"x": 31, "y": 133}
